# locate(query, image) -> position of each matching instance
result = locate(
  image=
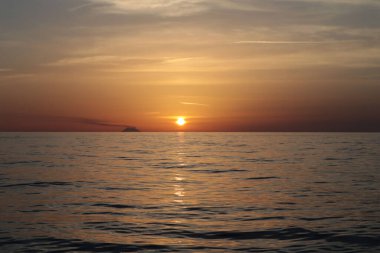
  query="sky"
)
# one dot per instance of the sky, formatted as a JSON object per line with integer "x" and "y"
{"x": 224, "y": 65}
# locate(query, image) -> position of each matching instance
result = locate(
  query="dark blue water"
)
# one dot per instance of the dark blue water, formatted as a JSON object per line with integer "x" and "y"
{"x": 189, "y": 192}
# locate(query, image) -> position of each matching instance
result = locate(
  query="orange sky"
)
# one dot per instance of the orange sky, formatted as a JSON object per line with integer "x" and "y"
{"x": 100, "y": 65}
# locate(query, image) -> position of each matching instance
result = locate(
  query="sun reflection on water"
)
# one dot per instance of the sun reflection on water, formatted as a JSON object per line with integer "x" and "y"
{"x": 179, "y": 190}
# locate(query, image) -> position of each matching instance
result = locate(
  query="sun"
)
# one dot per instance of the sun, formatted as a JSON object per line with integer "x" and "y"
{"x": 180, "y": 121}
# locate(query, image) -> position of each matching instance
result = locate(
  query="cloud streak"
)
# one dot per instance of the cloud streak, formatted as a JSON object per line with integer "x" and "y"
{"x": 196, "y": 104}
{"x": 172, "y": 8}
{"x": 5, "y": 70}
{"x": 177, "y": 8}
{"x": 96, "y": 122}
{"x": 291, "y": 42}
{"x": 103, "y": 59}
{"x": 155, "y": 7}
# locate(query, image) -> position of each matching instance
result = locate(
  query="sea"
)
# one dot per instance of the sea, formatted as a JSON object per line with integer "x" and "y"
{"x": 190, "y": 192}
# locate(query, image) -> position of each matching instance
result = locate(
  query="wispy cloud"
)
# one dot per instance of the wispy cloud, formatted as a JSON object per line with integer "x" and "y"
{"x": 81, "y": 6}
{"x": 63, "y": 119}
{"x": 170, "y": 8}
{"x": 9, "y": 75}
{"x": 351, "y": 2}
{"x": 102, "y": 59}
{"x": 183, "y": 59}
{"x": 96, "y": 122}
{"x": 157, "y": 7}
{"x": 121, "y": 64}
{"x": 11, "y": 43}
{"x": 195, "y": 104}
{"x": 176, "y": 8}
{"x": 86, "y": 60}
{"x": 290, "y": 42}
{"x": 5, "y": 70}
{"x": 83, "y": 120}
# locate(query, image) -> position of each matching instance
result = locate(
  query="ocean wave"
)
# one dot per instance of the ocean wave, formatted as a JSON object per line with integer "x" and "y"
{"x": 171, "y": 192}
{"x": 262, "y": 178}
{"x": 69, "y": 245}
{"x": 38, "y": 184}
{"x": 20, "y": 162}
{"x": 118, "y": 206}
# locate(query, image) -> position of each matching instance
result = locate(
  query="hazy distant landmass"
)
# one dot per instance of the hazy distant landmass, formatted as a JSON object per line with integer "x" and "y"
{"x": 131, "y": 129}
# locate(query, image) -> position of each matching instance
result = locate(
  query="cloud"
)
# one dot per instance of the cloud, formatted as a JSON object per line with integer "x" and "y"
{"x": 350, "y": 2}
{"x": 113, "y": 63}
{"x": 176, "y": 8}
{"x": 199, "y": 5}
{"x": 171, "y": 8}
{"x": 102, "y": 59}
{"x": 5, "y": 70}
{"x": 148, "y": 38}
{"x": 196, "y": 104}
{"x": 81, "y": 6}
{"x": 96, "y": 122}
{"x": 10, "y": 75}
{"x": 181, "y": 59}
{"x": 11, "y": 43}
{"x": 25, "y": 120}
{"x": 86, "y": 60}
{"x": 291, "y": 42}
{"x": 158, "y": 7}
{"x": 86, "y": 121}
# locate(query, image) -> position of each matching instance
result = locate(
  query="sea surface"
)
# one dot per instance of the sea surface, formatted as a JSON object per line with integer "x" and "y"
{"x": 189, "y": 192}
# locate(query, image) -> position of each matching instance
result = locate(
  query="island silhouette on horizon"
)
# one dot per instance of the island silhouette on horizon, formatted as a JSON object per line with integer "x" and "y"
{"x": 131, "y": 129}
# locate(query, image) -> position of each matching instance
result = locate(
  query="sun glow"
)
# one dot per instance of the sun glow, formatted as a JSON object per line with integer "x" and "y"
{"x": 180, "y": 121}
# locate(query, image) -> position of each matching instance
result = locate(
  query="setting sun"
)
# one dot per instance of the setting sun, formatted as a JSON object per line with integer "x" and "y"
{"x": 181, "y": 121}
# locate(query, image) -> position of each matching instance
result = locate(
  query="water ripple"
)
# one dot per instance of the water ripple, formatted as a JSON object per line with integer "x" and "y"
{"x": 189, "y": 192}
